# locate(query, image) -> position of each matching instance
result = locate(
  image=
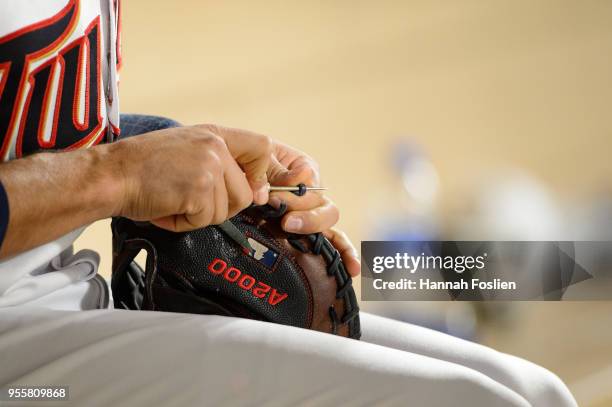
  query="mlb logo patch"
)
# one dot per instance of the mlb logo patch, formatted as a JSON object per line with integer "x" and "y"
{"x": 262, "y": 253}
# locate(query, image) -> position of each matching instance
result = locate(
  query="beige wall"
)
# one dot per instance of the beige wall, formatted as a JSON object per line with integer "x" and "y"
{"x": 480, "y": 84}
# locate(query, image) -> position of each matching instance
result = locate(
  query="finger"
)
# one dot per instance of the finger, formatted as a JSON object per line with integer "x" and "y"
{"x": 311, "y": 221}
{"x": 310, "y": 200}
{"x": 239, "y": 193}
{"x": 203, "y": 217}
{"x": 347, "y": 251}
{"x": 179, "y": 223}
{"x": 167, "y": 222}
{"x": 252, "y": 151}
{"x": 221, "y": 201}
{"x": 276, "y": 171}
{"x": 191, "y": 220}
{"x": 304, "y": 171}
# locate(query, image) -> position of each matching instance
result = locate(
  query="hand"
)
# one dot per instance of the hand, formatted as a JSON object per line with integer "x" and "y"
{"x": 189, "y": 177}
{"x": 313, "y": 212}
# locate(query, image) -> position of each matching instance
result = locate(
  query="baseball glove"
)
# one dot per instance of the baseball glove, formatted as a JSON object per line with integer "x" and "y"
{"x": 247, "y": 267}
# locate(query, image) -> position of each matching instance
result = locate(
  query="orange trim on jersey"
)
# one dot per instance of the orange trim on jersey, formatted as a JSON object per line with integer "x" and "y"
{"x": 53, "y": 63}
{"x": 94, "y": 136}
{"x": 28, "y": 60}
{"x": 58, "y": 102}
{"x": 78, "y": 87}
{"x": 4, "y": 68}
{"x": 116, "y": 130}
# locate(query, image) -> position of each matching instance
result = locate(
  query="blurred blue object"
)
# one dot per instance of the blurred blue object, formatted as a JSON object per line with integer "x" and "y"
{"x": 409, "y": 204}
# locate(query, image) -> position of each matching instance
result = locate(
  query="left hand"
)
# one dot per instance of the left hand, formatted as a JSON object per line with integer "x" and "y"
{"x": 313, "y": 212}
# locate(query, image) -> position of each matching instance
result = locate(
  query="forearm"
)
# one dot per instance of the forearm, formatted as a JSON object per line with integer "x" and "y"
{"x": 51, "y": 194}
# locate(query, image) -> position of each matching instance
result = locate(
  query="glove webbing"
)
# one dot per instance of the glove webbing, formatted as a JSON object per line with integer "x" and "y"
{"x": 320, "y": 247}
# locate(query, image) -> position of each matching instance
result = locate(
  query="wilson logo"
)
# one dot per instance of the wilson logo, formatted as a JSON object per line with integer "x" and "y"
{"x": 246, "y": 282}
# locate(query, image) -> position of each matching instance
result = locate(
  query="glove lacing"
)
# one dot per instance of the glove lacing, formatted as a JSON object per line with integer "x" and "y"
{"x": 322, "y": 247}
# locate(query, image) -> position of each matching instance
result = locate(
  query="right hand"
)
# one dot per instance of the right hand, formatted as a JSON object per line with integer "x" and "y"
{"x": 187, "y": 178}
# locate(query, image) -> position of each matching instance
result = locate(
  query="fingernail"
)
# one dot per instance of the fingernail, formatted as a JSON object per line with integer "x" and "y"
{"x": 261, "y": 195}
{"x": 274, "y": 202}
{"x": 294, "y": 224}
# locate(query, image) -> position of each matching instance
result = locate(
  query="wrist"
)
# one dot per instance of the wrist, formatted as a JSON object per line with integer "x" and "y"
{"x": 109, "y": 179}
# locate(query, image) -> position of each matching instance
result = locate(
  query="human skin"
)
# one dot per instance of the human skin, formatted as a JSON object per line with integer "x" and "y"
{"x": 180, "y": 179}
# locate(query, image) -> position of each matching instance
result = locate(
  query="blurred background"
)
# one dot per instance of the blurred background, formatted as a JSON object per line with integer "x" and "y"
{"x": 430, "y": 120}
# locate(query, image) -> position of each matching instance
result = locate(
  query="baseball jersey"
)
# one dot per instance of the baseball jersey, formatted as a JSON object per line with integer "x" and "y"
{"x": 58, "y": 74}
{"x": 58, "y": 91}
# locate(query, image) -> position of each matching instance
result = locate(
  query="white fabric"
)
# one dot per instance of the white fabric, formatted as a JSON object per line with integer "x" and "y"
{"x": 52, "y": 276}
{"x": 152, "y": 358}
{"x": 133, "y": 358}
{"x": 110, "y": 17}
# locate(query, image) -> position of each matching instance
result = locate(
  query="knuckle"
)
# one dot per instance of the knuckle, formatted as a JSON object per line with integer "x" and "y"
{"x": 190, "y": 206}
{"x": 207, "y": 128}
{"x": 314, "y": 164}
{"x": 313, "y": 174}
{"x": 204, "y": 182}
{"x": 266, "y": 144}
{"x": 214, "y": 142}
{"x": 198, "y": 132}
{"x": 213, "y": 162}
{"x": 311, "y": 162}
